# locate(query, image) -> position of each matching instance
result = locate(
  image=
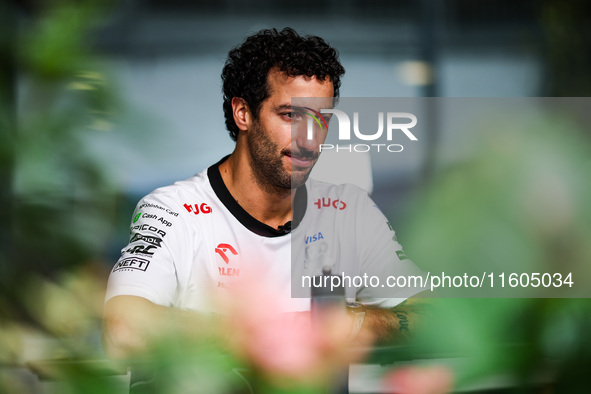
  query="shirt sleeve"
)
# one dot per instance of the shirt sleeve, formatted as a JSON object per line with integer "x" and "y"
{"x": 393, "y": 276}
{"x": 148, "y": 266}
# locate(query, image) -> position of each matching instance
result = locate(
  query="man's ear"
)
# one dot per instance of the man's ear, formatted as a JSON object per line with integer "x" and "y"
{"x": 241, "y": 112}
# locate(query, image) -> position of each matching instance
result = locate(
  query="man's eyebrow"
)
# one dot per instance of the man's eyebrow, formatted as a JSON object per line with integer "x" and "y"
{"x": 288, "y": 107}
{"x": 285, "y": 107}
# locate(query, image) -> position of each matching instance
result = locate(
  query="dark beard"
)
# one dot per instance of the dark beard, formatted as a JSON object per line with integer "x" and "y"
{"x": 267, "y": 164}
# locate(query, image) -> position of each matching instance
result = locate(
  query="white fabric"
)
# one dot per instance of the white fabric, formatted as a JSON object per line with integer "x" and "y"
{"x": 181, "y": 238}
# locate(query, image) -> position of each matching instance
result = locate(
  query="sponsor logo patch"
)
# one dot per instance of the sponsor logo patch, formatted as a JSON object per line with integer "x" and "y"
{"x": 328, "y": 202}
{"x": 198, "y": 208}
{"x": 148, "y": 205}
{"x": 222, "y": 249}
{"x": 147, "y": 227}
{"x": 314, "y": 238}
{"x": 156, "y": 217}
{"x": 150, "y": 240}
{"x": 401, "y": 255}
{"x": 132, "y": 263}
{"x": 228, "y": 271}
{"x": 141, "y": 249}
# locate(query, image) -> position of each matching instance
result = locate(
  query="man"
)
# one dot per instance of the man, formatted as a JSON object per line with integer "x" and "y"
{"x": 190, "y": 242}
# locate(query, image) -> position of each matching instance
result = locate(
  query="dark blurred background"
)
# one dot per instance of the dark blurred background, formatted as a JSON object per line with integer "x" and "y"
{"x": 165, "y": 56}
{"x": 103, "y": 101}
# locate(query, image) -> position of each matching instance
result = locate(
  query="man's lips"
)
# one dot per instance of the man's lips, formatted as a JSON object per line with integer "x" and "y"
{"x": 301, "y": 161}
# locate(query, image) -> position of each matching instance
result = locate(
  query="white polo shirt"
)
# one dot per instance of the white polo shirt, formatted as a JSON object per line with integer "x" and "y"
{"x": 191, "y": 240}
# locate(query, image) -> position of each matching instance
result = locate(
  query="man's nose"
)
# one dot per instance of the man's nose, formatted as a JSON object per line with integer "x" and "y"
{"x": 308, "y": 135}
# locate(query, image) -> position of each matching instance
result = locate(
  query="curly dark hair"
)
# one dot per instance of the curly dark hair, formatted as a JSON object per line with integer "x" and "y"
{"x": 247, "y": 67}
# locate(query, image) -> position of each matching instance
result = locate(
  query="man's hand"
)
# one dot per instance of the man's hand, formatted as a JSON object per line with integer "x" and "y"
{"x": 395, "y": 324}
{"x": 131, "y": 324}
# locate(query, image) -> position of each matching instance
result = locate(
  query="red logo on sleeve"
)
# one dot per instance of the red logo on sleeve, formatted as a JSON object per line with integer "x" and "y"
{"x": 196, "y": 208}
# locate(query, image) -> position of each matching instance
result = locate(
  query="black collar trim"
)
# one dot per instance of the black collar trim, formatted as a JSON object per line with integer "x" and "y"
{"x": 257, "y": 227}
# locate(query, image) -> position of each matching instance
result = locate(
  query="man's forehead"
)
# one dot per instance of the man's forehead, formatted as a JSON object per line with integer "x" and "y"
{"x": 281, "y": 78}
{"x": 312, "y": 103}
{"x": 287, "y": 92}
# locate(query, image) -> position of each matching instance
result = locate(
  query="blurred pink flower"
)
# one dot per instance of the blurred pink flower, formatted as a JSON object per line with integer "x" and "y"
{"x": 284, "y": 344}
{"x": 420, "y": 380}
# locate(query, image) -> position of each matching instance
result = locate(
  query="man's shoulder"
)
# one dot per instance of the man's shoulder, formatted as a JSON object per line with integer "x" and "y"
{"x": 193, "y": 185}
{"x": 180, "y": 192}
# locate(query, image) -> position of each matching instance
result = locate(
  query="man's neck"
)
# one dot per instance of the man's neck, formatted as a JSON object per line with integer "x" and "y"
{"x": 272, "y": 207}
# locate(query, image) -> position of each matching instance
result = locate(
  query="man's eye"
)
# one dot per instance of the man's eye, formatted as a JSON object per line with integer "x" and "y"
{"x": 293, "y": 115}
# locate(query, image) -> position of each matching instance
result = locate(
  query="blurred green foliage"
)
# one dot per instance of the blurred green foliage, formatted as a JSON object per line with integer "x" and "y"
{"x": 566, "y": 36}
{"x": 58, "y": 198}
{"x": 519, "y": 204}
{"x": 57, "y": 201}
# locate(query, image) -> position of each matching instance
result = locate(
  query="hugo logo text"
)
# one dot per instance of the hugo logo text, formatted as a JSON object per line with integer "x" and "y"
{"x": 328, "y": 202}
